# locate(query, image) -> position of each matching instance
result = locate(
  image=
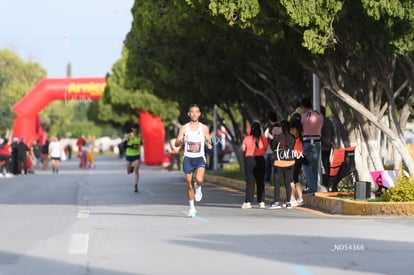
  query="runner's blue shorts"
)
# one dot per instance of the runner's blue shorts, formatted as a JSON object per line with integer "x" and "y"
{"x": 132, "y": 158}
{"x": 191, "y": 164}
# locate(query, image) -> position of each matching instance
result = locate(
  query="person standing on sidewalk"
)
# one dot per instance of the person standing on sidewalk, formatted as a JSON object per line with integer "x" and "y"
{"x": 312, "y": 122}
{"x": 254, "y": 146}
{"x": 5, "y": 157}
{"x": 16, "y": 168}
{"x": 327, "y": 144}
{"x": 55, "y": 153}
{"x": 81, "y": 151}
{"x": 283, "y": 144}
{"x": 272, "y": 130}
{"x": 132, "y": 143}
{"x": 23, "y": 150}
{"x": 45, "y": 155}
{"x": 36, "y": 153}
{"x": 296, "y": 131}
{"x": 195, "y": 136}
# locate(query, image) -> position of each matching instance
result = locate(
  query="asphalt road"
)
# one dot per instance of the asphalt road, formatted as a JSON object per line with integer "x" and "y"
{"x": 89, "y": 221}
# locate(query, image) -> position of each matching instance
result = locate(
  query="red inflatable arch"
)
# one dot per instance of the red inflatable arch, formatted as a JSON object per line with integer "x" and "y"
{"x": 153, "y": 134}
{"x": 27, "y": 122}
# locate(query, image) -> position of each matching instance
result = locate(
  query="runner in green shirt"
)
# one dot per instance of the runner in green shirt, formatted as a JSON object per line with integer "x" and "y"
{"x": 132, "y": 143}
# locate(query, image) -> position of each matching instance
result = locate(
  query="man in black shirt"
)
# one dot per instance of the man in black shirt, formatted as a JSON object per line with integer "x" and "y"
{"x": 45, "y": 155}
{"x": 22, "y": 152}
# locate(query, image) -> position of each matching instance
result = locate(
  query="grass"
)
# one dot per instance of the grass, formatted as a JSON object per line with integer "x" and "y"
{"x": 230, "y": 170}
{"x": 233, "y": 174}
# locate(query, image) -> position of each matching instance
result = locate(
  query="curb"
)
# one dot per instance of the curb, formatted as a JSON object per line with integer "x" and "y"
{"x": 328, "y": 204}
{"x": 333, "y": 205}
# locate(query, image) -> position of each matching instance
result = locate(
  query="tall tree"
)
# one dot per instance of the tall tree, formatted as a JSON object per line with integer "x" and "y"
{"x": 120, "y": 105}
{"x": 187, "y": 55}
{"x": 362, "y": 51}
{"x": 254, "y": 56}
{"x": 17, "y": 77}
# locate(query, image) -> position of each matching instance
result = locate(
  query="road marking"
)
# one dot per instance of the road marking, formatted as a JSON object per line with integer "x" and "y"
{"x": 201, "y": 219}
{"x": 149, "y": 192}
{"x": 79, "y": 243}
{"x": 83, "y": 214}
{"x": 300, "y": 270}
{"x": 197, "y": 217}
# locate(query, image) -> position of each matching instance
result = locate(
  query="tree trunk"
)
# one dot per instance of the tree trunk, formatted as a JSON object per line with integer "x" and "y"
{"x": 397, "y": 142}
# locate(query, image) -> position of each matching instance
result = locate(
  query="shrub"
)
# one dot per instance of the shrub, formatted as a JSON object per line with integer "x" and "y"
{"x": 402, "y": 191}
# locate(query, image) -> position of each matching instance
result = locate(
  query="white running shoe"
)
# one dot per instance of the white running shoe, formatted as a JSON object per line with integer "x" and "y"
{"x": 294, "y": 203}
{"x": 192, "y": 213}
{"x": 246, "y": 205}
{"x": 262, "y": 204}
{"x": 198, "y": 195}
{"x": 299, "y": 203}
{"x": 275, "y": 206}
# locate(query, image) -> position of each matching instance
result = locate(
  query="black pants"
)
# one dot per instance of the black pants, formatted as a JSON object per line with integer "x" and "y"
{"x": 255, "y": 169}
{"x": 6, "y": 160}
{"x": 326, "y": 164}
{"x": 282, "y": 176}
{"x": 23, "y": 163}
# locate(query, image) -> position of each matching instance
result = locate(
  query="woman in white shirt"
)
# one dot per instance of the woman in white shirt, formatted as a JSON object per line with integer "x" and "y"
{"x": 55, "y": 153}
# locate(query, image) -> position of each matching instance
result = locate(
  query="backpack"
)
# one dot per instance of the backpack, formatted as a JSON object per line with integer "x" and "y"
{"x": 283, "y": 154}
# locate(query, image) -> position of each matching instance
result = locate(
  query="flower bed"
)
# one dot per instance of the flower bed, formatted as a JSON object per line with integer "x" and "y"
{"x": 331, "y": 203}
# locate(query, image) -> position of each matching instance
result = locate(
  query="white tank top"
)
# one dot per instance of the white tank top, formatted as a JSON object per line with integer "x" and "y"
{"x": 194, "y": 147}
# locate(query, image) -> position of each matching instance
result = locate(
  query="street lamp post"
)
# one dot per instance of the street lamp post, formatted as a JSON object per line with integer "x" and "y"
{"x": 215, "y": 140}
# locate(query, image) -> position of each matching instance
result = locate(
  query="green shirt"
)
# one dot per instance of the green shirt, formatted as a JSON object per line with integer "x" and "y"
{"x": 133, "y": 145}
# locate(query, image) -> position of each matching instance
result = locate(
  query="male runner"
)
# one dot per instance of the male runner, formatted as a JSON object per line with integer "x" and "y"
{"x": 195, "y": 136}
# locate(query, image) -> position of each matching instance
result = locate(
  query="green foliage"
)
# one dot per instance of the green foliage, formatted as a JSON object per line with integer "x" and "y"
{"x": 235, "y": 11}
{"x": 378, "y": 8}
{"x": 254, "y": 56}
{"x": 7, "y": 115}
{"x": 316, "y": 17}
{"x": 120, "y": 104}
{"x": 232, "y": 171}
{"x": 403, "y": 191}
{"x": 397, "y": 18}
{"x": 56, "y": 116}
{"x": 78, "y": 128}
{"x": 186, "y": 55}
{"x": 17, "y": 77}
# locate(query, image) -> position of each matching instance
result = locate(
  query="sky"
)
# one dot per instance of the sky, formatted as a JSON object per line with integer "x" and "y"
{"x": 87, "y": 33}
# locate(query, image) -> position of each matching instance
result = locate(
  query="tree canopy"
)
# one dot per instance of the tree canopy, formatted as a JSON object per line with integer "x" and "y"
{"x": 251, "y": 57}
{"x": 17, "y": 77}
{"x": 120, "y": 105}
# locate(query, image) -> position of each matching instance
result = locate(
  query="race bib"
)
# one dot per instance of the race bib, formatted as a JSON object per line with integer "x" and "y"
{"x": 193, "y": 147}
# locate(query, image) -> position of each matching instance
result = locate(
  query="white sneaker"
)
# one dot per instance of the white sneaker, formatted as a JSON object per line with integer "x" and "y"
{"x": 294, "y": 203}
{"x": 198, "y": 195}
{"x": 192, "y": 213}
{"x": 275, "y": 206}
{"x": 246, "y": 205}
{"x": 299, "y": 203}
{"x": 262, "y": 205}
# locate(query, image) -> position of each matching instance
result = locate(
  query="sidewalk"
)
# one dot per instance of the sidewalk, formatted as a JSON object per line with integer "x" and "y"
{"x": 328, "y": 204}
